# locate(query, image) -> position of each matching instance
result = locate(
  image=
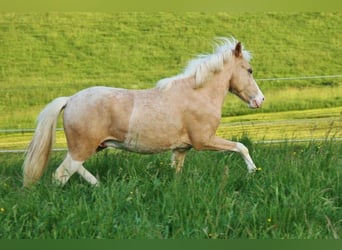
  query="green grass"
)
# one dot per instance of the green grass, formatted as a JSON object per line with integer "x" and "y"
{"x": 296, "y": 195}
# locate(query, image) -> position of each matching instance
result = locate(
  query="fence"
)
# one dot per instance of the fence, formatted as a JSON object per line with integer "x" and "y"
{"x": 317, "y": 129}
{"x": 298, "y": 78}
{"x": 260, "y": 132}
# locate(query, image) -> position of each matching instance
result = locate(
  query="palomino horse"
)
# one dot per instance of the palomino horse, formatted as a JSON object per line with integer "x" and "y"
{"x": 180, "y": 113}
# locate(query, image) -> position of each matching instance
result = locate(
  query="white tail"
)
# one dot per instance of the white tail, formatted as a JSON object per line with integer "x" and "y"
{"x": 39, "y": 149}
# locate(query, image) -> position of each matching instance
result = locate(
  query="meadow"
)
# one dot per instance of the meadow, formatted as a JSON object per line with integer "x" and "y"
{"x": 296, "y": 194}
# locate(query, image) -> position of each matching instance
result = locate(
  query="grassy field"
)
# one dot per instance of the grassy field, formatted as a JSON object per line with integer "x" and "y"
{"x": 297, "y": 193}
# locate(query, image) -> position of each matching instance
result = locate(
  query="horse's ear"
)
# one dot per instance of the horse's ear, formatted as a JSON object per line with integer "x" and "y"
{"x": 238, "y": 50}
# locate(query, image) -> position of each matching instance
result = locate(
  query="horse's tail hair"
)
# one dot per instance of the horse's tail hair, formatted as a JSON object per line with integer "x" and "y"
{"x": 38, "y": 152}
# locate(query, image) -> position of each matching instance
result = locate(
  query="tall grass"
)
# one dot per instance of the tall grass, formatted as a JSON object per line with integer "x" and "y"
{"x": 296, "y": 195}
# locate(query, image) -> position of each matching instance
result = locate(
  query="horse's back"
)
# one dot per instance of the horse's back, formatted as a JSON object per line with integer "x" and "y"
{"x": 98, "y": 102}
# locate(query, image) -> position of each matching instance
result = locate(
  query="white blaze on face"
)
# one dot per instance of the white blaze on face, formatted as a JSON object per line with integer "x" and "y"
{"x": 257, "y": 100}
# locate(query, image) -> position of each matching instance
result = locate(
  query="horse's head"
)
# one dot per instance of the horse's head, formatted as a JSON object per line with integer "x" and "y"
{"x": 242, "y": 82}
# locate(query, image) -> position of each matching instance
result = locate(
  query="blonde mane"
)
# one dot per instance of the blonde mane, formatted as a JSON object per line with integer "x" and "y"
{"x": 204, "y": 65}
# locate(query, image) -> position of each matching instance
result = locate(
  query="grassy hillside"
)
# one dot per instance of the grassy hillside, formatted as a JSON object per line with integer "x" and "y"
{"x": 43, "y": 56}
{"x": 137, "y": 49}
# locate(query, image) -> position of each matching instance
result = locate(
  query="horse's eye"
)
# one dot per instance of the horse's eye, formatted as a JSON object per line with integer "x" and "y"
{"x": 250, "y": 71}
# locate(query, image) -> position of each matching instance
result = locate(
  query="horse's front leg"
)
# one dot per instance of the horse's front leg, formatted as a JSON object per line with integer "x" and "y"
{"x": 177, "y": 159}
{"x": 221, "y": 144}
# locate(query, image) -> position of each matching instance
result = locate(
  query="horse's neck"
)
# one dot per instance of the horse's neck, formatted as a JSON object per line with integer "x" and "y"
{"x": 214, "y": 89}
{"x": 217, "y": 85}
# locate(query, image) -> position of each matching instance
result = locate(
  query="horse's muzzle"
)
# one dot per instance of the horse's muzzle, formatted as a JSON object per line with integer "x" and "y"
{"x": 257, "y": 101}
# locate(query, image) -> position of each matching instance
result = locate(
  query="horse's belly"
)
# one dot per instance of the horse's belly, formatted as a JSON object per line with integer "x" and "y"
{"x": 148, "y": 146}
{"x": 151, "y": 140}
{"x": 139, "y": 147}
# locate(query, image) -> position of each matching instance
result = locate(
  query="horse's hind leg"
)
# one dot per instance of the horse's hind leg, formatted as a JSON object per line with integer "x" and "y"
{"x": 69, "y": 167}
{"x": 64, "y": 171}
{"x": 87, "y": 176}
